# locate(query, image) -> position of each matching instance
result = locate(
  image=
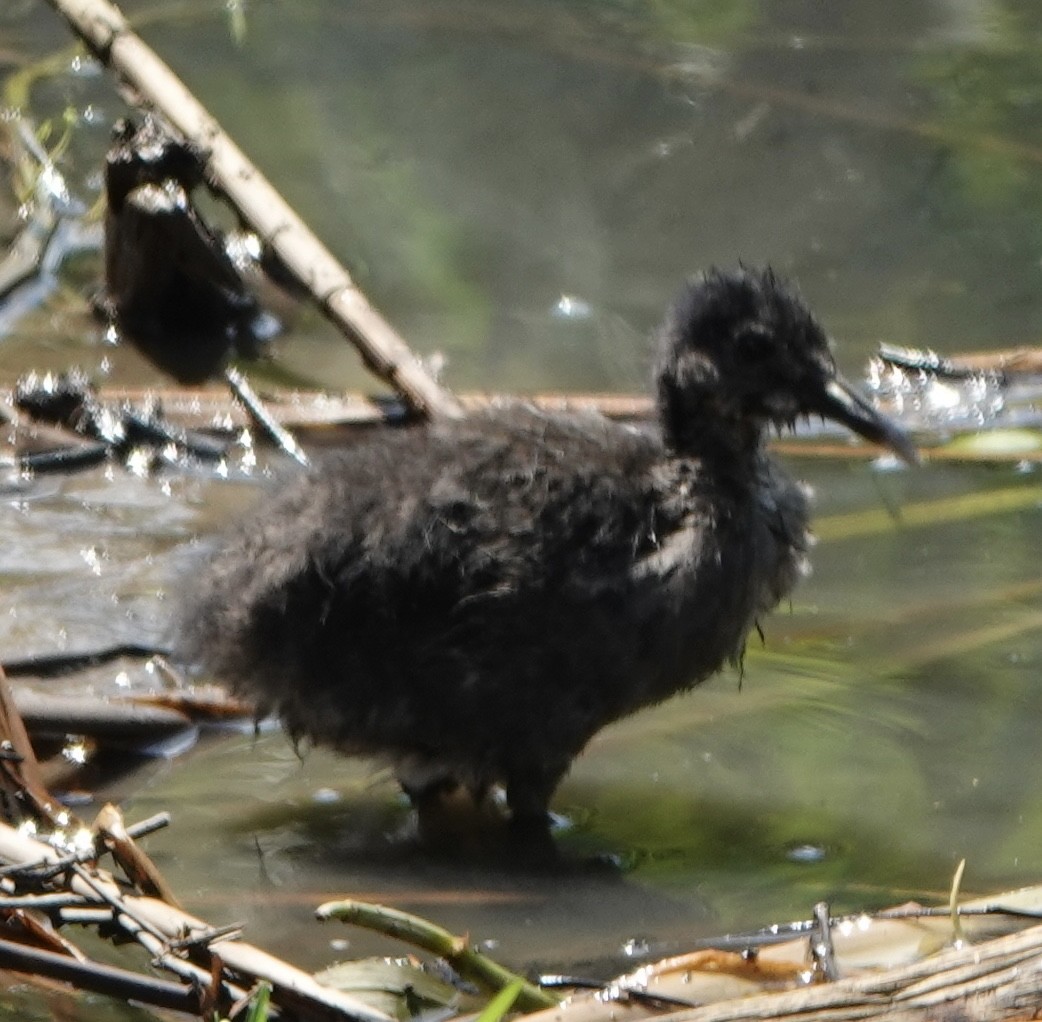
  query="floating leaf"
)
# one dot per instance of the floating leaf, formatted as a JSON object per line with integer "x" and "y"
{"x": 397, "y": 986}
{"x": 1009, "y": 443}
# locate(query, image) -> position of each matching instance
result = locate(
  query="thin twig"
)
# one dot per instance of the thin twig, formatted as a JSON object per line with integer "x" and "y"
{"x": 54, "y": 665}
{"x": 262, "y": 418}
{"x": 98, "y": 978}
{"x": 821, "y": 949}
{"x": 215, "y": 934}
{"x": 44, "y": 902}
{"x": 25, "y": 773}
{"x": 112, "y": 834}
{"x": 149, "y": 825}
{"x": 953, "y": 904}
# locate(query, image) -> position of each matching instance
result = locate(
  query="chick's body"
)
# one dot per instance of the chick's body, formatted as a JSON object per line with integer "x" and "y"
{"x": 478, "y": 599}
{"x": 474, "y": 599}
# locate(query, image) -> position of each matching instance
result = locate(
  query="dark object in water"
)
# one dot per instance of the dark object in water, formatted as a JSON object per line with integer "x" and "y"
{"x": 57, "y": 665}
{"x": 69, "y": 400}
{"x": 170, "y": 286}
{"x": 475, "y": 599}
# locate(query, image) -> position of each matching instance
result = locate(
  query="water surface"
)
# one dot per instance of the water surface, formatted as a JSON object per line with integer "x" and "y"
{"x": 520, "y": 187}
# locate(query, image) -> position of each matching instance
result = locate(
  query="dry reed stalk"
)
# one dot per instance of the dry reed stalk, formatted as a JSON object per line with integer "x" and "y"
{"x": 109, "y": 36}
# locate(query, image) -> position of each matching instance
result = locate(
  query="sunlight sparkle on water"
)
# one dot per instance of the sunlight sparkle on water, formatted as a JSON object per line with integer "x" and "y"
{"x": 75, "y": 750}
{"x": 92, "y": 559}
{"x": 571, "y": 307}
{"x": 806, "y": 853}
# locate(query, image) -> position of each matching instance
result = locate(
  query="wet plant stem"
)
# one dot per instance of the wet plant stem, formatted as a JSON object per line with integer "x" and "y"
{"x": 470, "y": 963}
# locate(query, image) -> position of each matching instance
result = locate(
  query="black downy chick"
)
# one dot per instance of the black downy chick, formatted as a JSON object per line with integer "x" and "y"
{"x": 472, "y": 600}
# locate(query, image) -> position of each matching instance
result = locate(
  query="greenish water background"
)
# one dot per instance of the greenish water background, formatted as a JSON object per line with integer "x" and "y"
{"x": 520, "y": 187}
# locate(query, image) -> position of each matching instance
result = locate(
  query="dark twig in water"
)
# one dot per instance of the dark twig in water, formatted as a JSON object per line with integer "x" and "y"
{"x": 926, "y": 361}
{"x": 939, "y": 911}
{"x": 213, "y": 935}
{"x": 149, "y": 429}
{"x": 322, "y": 418}
{"x": 68, "y": 402}
{"x": 785, "y": 932}
{"x": 262, "y": 418}
{"x": 55, "y": 665}
{"x": 98, "y": 978}
{"x": 119, "y": 722}
{"x": 134, "y": 722}
{"x": 1003, "y": 366}
{"x": 65, "y": 459}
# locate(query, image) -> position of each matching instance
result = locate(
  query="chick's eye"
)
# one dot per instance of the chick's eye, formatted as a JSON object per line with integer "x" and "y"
{"x": 754, "y": 343}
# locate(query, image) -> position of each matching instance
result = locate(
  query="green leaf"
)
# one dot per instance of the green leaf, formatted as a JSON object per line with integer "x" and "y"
{"x": 259, "y": 1004}
{"x": 501, "y": 1003}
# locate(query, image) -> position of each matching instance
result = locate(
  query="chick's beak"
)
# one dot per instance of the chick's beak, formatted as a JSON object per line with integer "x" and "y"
{"x": 841, "y": 403}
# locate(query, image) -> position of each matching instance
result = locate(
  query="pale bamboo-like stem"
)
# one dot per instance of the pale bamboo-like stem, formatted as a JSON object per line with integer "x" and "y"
{"x": 104, "y": 29}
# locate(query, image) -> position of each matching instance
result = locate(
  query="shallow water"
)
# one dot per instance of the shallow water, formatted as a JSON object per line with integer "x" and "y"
{"x": 520, "y": 187}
